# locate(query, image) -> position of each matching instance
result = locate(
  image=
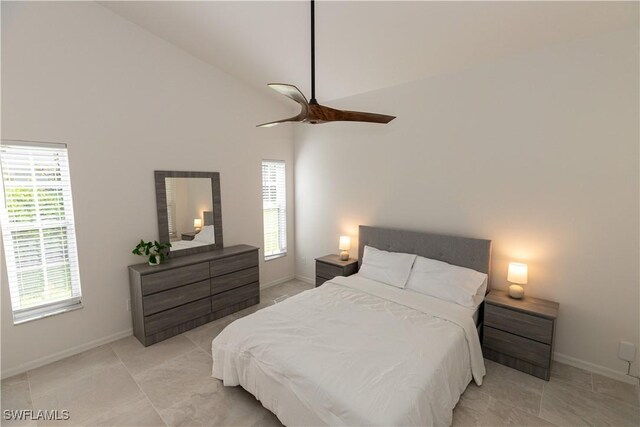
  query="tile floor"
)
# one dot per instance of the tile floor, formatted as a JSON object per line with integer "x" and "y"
{"x": 169, "y": 383}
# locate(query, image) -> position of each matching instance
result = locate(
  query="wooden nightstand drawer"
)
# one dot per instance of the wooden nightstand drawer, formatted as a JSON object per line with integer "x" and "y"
{"x": 519, "y": 332}
{"x": 513, "y": 345}
{"x": 525, "y": 325}
{"x": 328, "y": 271}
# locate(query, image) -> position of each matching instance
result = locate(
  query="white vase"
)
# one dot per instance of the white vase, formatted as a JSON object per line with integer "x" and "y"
{"x": 516, "y": 291}
{"x": 156, "y": 259}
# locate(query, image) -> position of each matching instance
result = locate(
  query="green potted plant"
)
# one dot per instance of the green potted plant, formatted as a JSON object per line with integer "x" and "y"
{"x": 154, "y": 250}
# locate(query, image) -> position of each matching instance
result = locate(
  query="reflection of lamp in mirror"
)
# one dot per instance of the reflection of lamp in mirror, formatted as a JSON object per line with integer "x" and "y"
{"x": 345, "y": 245}
{"x": 518, "y": 276}
{"x": 197, "y": 224}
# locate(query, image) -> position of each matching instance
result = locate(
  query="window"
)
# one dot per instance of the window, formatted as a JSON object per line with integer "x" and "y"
{"x": 38, "y": 229}
{"x": 274, "y": 209}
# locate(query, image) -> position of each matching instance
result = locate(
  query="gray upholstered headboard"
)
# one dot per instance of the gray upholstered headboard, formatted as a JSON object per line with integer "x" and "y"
{"x": 461, "y": 251}
{"x": 208, "y": 217}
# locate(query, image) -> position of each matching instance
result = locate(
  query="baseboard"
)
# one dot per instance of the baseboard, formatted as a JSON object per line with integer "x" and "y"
{"x": 65, "y": 353}
{"x": 592, "y": 367}
{"x": 276, "y": 282}
{"x": 305, "y": 279}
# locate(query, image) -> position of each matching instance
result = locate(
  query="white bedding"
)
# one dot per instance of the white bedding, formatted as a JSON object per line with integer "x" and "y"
{"x": 353, "y": 352}
{"x": 186, "y": 244}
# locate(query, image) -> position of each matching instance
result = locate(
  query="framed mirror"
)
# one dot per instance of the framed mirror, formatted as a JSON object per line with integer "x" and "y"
{"x": 189, "y": 211}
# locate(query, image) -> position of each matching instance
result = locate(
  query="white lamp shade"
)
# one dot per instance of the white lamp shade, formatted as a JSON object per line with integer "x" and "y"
{"x": 518, "y": 273}
{"x": 345, "y": 243}
{"x": 197, "y": 223}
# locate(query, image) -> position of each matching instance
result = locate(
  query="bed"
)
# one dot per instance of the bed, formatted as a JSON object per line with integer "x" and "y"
{"x": 359, "y": 352}
{"x": 178, "y": 245}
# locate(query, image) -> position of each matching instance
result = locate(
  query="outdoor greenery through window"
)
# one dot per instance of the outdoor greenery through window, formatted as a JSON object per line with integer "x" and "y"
{"x": 274, "y": 207}
{"x": 38, "y": 229}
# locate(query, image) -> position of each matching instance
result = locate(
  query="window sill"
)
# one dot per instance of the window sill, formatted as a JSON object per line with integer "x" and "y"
{"x": 55, "y": 312}
{"x": 272, "y": 257}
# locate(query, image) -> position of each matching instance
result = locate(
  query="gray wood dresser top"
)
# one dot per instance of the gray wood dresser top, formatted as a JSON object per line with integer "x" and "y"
{"x": 172, "y": 263}
{"x": 335, "y": 260}
{"x": 529, "y": 305}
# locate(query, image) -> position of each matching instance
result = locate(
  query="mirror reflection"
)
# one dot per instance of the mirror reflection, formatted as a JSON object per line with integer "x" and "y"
{"x": 189, "y": 212}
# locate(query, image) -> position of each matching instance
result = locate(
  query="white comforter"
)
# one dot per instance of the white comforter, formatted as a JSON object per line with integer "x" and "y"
{"x": 177, "y": 245}
{"x": 353, "y": 352}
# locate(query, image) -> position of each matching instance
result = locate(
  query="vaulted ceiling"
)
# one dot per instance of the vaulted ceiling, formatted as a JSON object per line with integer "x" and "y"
{"x": 363, "y": 46}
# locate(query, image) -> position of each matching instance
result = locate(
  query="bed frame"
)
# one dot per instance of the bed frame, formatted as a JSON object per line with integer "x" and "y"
{"x": 462, "y": 251}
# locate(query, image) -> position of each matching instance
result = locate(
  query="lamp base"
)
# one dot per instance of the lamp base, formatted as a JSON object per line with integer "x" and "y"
{"x": 516, "y": 291}
{"x": 344, "y": 256}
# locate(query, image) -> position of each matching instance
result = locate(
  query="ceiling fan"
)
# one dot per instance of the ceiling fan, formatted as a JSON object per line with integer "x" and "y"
{"x": 311, "y": 111}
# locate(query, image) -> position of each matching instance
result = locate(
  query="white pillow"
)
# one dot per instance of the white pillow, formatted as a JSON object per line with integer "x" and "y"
{"x": 206, "y": 235}
{"x": 482, "y": 292}
{"x": 459, "y": 285}
{"x": 392, "y": 268}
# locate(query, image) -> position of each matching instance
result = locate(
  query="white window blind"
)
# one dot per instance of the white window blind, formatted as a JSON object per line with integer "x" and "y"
{"x": 170, "y": 185}
{"x": 274, "y": 207}
{"x": 38, "y": 229}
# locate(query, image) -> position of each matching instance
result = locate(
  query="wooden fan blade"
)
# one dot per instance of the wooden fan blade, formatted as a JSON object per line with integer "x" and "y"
{"x": 358, "y": 116}
{"x": 290, "y": 91}
{"x": 320, "y": 114}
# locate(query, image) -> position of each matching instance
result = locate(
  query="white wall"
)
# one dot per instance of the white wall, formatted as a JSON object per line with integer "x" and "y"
{"x": 193, "y": 197}
{"x": 181, "y": 198}
{"x": 199, "y": 200}
{"x": 126, "y": 103}
{"x": 538, "y": 152}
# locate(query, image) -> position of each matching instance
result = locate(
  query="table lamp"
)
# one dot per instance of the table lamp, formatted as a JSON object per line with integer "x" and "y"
{"x": 345, "y": 245}
{"x": 517, "y": 275}
{"x": 197, "y": 224}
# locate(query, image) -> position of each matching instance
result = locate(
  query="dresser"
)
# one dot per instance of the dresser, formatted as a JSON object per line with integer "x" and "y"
{"x": 330, "y": 266}
{"x": 189, "y": 291}
{"x": 519, "y": 332}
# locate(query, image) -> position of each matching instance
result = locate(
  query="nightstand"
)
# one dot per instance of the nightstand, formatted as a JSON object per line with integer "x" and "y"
{"x": 189, "y": 236}
{"x": 519, "y": 332}
{"x": 330, "y": 266}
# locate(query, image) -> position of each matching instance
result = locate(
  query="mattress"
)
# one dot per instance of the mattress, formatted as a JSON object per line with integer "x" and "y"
{"x": 353, "y": 352}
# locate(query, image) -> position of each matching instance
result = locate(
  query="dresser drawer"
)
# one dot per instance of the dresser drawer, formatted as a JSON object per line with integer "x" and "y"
{"x": 327, "y": 271}
{"x": 525, "y": 325}
{"x": 233, "y": 263}
{"x": 234, "y": 296}
{"x": 234, "y": 280}
{"x": 513, "y": 345}
{"x": 157, "y": 282}
{"x": 174, "y": 297}
{"x": 176, "y": 316}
